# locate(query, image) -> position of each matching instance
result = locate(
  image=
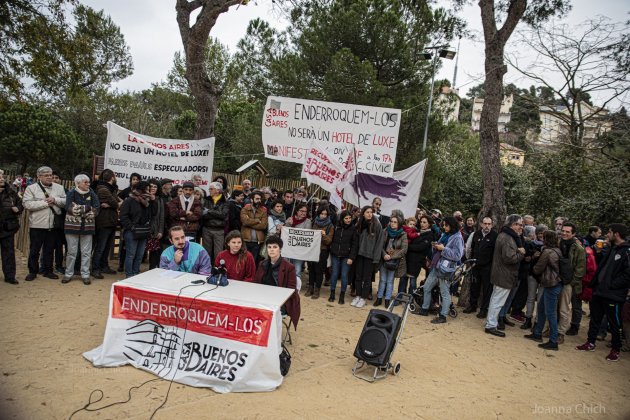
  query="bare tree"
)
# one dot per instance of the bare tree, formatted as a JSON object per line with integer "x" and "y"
{"x": 510, "y": 13}
{"x": 205, "y": 89}
{"x": 578, "y": 65}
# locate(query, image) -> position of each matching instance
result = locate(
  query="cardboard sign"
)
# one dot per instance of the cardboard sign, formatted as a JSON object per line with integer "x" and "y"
{"x": 301, "y": 244}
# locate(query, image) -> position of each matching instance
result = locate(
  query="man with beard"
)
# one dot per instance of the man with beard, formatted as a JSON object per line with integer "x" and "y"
{"x": 254, "y": 224}
{"x": 185, "y": 210}
{"x": 483, "y": 242}
{"x": 184, "y": 255}
{"x": 572, "y": 249}
{"x": 10, "y": 208}
{"x": 214, "y": 219}
{"x": 44, "y": 201}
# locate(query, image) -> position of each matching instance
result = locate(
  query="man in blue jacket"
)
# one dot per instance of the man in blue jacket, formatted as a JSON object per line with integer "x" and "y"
{"x": 610, "y": 290}
{"x": 186, "y": 256}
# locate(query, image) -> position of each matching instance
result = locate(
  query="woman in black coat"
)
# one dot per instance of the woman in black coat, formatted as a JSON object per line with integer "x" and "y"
{"x": 419, "y": 253}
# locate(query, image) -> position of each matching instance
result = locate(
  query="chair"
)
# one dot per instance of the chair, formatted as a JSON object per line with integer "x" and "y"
{"x": 286, "y": 325}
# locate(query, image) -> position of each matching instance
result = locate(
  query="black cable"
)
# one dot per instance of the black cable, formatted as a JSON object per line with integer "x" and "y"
{"x": 90, "y": 402}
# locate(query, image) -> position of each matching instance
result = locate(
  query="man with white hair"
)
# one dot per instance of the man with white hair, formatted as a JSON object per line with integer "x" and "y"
{"x": 44, "y": 201}
{"x": 82, "y": 204}
{"x": 215, "y": 218}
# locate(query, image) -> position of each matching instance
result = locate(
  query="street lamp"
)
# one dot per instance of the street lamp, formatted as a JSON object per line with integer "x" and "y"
{"x": 442, "y": 52}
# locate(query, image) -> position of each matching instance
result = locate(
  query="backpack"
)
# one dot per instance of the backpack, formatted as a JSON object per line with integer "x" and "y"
{"x": 565, "y": 269}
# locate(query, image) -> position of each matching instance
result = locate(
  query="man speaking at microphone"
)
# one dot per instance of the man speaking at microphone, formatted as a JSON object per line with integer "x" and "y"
{"x": 185, "y": 256}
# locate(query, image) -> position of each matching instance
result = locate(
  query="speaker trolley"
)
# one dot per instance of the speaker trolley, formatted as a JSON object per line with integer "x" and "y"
{"x": 379, "y": 339}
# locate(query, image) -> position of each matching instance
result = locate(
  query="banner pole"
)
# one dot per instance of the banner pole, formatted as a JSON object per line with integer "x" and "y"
{"x": 356, "y": 176}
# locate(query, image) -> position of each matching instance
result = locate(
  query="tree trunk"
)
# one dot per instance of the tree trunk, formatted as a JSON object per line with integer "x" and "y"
{"x": 194, "y": 38}
{"x": 493, "y": 202}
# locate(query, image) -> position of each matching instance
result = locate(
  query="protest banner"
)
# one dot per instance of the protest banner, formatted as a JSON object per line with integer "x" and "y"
{"x": 127, "y": 152}
{"x": 320, "y": 168}
{"x": 290, "y": 125}
{"x": 301, "y": 244}
{"x": 400, "y": 192}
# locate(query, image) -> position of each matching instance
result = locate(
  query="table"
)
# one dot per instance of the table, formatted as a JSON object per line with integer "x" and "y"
{"x": 225, "y": 338}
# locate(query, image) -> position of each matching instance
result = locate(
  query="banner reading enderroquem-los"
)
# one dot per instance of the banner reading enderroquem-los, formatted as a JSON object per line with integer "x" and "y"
{"x": 290, "y": 125}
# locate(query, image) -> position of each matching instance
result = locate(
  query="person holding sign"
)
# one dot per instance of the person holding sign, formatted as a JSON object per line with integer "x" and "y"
{"x": 184, "y": 255}
{"x": 370, "y": 250}
{"x": 394, "y": 264}
{"x": 238, "y": 261}
{"x": 276, "y": 271}
{"x": 322, "y": 223}
{"x": 299, "y": 220}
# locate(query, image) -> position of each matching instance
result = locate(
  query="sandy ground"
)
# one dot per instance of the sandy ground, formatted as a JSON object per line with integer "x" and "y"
{"x": 451, "y": 371}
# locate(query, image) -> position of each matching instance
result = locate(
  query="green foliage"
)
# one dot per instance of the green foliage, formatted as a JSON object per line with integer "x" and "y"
{"x": 31, "y": 136}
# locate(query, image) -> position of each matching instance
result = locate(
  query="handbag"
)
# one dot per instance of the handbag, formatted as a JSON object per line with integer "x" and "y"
{"x": 141, "y": 232}
{"x": 285, "y": 361}
{"x": 391, "y": 265}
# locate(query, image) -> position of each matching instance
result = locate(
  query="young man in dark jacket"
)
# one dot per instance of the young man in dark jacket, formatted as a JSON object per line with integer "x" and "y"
{"x": 106, "y": 222}
{"x": 215, "y": 216}
{"x": 610, "y": 290}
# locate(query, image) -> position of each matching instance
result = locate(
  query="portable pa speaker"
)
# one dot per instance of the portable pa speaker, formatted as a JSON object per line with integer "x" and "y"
{"x": 378, "y": 337}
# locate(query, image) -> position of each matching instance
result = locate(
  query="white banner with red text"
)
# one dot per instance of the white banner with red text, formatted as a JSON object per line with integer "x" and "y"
{"x": 320, "y": 168}
{"x": 197, "y": 336}
{"x": 127, "y": 152}
{"x": 289, "y": 126}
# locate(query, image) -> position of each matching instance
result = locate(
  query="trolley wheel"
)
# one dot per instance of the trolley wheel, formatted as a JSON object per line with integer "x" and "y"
{"x": 412, "y": 307}
{"x": 453, "y": 313}
{"x": 396, "y": 369}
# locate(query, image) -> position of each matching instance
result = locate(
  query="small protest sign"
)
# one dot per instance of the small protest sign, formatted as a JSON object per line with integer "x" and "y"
{"x": 301, "y": 244}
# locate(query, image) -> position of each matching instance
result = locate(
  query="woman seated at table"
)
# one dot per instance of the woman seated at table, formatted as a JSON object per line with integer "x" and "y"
{"x": 238, "y": 261}
{"x": 276, "y": 271}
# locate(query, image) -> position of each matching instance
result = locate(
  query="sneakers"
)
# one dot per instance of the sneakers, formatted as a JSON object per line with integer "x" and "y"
{"x": 586, "y": 347}
{"x": 360, "y": 303}
{"x": 355, "y": 301}
{"x": 613, "y": 356}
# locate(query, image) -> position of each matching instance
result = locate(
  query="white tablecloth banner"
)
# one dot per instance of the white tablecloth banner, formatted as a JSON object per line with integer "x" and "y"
{"x": 301, "y": 244}
{"x": 220, "y": 344}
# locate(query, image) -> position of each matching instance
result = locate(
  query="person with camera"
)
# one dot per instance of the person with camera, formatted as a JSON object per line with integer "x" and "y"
{"x": 10, "y": 209}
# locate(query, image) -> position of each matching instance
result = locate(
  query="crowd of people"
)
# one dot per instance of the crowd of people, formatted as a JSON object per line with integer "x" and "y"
{"x": 523, "y": 273}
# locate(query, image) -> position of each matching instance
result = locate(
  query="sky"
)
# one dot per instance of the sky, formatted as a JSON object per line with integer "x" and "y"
{"x": 150, "y": 30}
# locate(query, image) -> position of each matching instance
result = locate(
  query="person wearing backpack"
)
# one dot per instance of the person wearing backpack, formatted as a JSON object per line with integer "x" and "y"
{"x": 548, "y": 268}
{"x": 573, "y": 251}
{"x": 610, "y": 290}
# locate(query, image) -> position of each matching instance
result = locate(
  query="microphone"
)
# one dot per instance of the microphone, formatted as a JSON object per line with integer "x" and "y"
{"x": 222, "y": 269}
{"x": 219, "y": 275}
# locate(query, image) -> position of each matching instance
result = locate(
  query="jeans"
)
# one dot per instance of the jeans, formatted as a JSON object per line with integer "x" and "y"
{"x": 497, "y": 301}
{"x": 103, "y": 241}
{"x": 508, "y": 301}
{"x": 385, "y": 283}
{"x": 532, "y": 288}
{"x": 429, "y": 284}
{"x": 548, "y": 310}
{"x": 339, "y": 265}
{"x": 135, "y": 251}
{"x": 402, "y": 284}
{"x": 299, "y": 265}
{"x": 84, "y": 242}
{"x": 41, "y": 239}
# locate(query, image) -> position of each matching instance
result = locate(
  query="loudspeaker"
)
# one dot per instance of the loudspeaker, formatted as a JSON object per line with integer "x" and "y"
{"x": 378, "y": 337}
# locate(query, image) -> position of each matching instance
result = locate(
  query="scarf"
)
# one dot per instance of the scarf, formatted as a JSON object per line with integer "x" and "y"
{"x": 394, "y": 233}
{"x": 142, "y": 198}
{"x": 270, "y": 277}
{"x": 277, "y": 217}
{"x": 297, "y": 221}
{"x": 444, "y": 238}
{"x": 322, "y": 223}
{"x": 514, "y": 235}
{"x": 425, "y": 230}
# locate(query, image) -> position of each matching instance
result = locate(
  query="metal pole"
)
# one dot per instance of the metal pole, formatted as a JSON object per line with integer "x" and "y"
{"x": 426, "y": 124}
